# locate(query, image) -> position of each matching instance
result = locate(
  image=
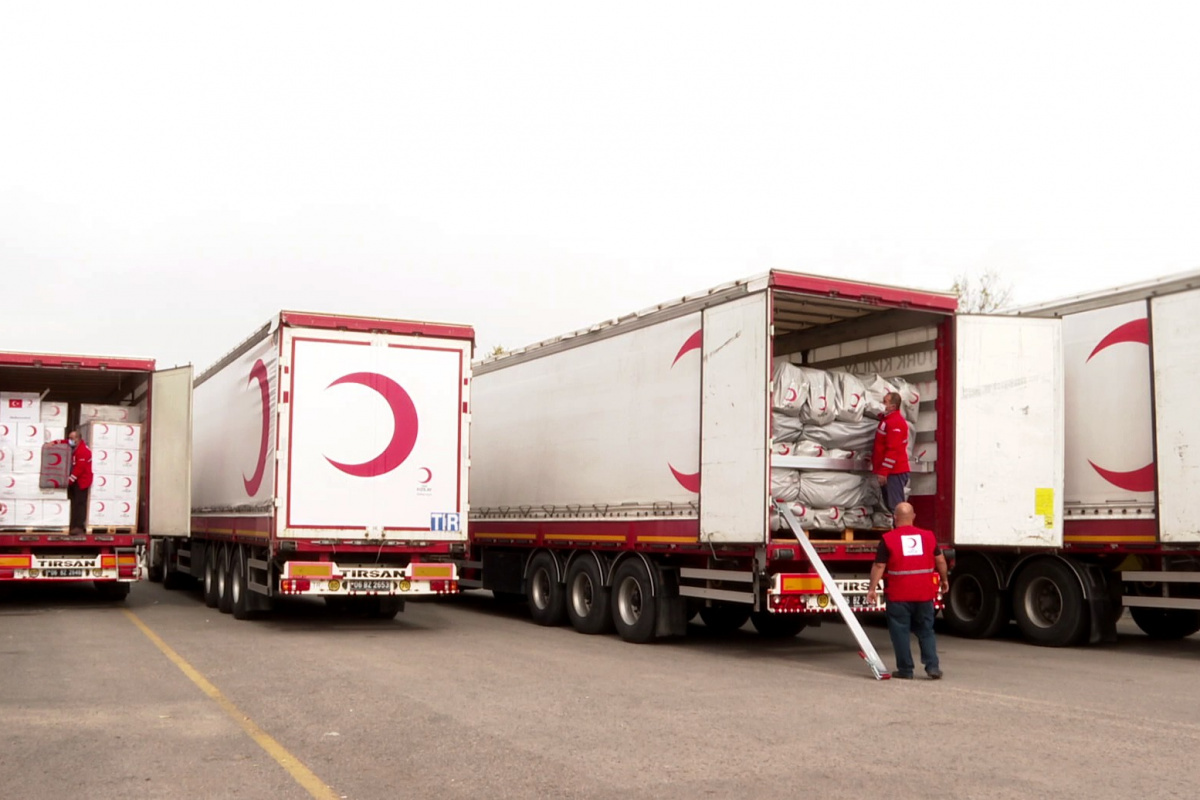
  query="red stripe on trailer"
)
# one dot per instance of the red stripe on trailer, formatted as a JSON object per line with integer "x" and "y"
{"x": 1114, "y": 531}
{"x": 864, "y": 292}
{"x": 371, "y": 324}
{"x": 79, "y": 362}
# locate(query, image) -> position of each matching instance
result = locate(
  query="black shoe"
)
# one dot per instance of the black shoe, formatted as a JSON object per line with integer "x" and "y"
{"x": 934, "y": 674}
{"x": 904, "y": 676}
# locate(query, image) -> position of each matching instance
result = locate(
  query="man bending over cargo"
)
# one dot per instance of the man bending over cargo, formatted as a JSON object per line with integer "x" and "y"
{"x": 889, "y": 459}
{"x": 915, "y": 569}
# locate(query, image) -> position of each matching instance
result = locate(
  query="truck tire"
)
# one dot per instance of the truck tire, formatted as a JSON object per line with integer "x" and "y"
{"x": 547, "y": 604}
{"x": 224, "y": 580}
{"x": 976, "y": 607}
{"x": 388, "y": 608}
{"x": 240, "y": 588}
{"x": 1049, "y": 605}
{"x": 1166, "y": 623}
{"x": 725, "y": 617}
{"x": 155, "y": 571}
{"x": 210, "y": 576}
{"x": 777, "y": 626}
{"x": 112, "y": 591}
{"x": 589, "y": 602}
{"x": 171, "y": 578}
{"x": 634, "y": 606}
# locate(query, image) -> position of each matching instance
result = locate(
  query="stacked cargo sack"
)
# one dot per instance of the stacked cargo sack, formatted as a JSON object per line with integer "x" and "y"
{"x": 831, "y": 415}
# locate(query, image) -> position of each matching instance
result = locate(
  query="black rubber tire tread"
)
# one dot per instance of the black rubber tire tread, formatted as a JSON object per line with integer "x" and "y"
{"x": 1074, "y": 621}
{"x": 725, "y": 617}
{"x": 973, "y": 582}
{"x": 632, "y": 576}
{"x": 777, "y": 626}
{"x": 225, "y": 567}
{"x": 112, "y": 591}
{"x": 554, "y": 611}
{"x": 210, "y": 576}
{"x": 240, "y": 588}
{"x": 598, "y": 619}
{"x": 1166, "y": 624}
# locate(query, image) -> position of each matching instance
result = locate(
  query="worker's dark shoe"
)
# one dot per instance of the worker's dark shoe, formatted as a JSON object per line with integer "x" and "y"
{"x": 904, "y": 676}
{"x": 934, "y": 674}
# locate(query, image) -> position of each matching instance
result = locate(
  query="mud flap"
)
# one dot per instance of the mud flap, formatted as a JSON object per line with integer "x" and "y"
{"x": 1100, "y": 604}
{"x": 672, "y": 618}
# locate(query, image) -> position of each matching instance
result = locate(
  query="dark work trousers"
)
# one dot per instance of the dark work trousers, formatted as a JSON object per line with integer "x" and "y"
{"x": 79, "y": 506}
{"x": 904, "y": 618}
{"x": 893, "y": 492}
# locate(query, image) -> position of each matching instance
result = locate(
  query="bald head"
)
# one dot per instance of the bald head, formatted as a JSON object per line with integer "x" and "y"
{"x": 904, "y": 514}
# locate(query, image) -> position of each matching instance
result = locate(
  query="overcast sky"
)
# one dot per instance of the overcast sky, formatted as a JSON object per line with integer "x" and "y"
{"x": 172, "y": 173}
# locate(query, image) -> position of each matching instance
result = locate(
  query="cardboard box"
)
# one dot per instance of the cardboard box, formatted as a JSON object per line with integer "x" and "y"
{"x": 28, "y": 512}
{"x": 14, "y": 485}
{"x": 27, "y": 460}
{"x": 30, "y": 434}
{"x": 89, "y": 412}
{"x": 55, "y": 433}
{"x": 128, "y": 436}
{"x": 56, "y": 513}
{"x": 20, "y": 407}
{"x": 103, "y": 460}
{"x": 104, "y": 487}
{"x": 126, "y": 462}
{"x": 54, "y": 413}
{"x": 125, "y": 487}
{"x": 100, "y": 511}
{"x": 99, "y": 434}
{"x": 8, "y": 434}
{"x": 7, "y": 513}
{"x": 125, "y": 513}
{"x": 56, "y": 466}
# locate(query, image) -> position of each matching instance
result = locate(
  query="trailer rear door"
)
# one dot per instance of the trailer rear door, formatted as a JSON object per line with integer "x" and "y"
{"x": 1009, "y": 432}
{"x": 735, "y": 374}
{"x": 1176, "y": 341}
{"x": 170, "y": 452}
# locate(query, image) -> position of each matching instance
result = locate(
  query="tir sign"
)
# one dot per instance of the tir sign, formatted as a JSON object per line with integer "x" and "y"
{"x": 443, "y": 522}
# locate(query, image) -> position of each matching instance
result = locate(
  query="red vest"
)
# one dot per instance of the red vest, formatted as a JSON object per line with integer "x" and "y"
{"x": 911, "y": 574}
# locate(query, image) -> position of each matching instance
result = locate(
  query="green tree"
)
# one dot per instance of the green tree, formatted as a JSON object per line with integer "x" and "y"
{"x": 497, "y": 351}
{"x": 981, "y": 294}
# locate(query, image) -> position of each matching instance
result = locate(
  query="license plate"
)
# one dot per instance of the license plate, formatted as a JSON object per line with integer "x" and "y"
{"x": 369, "y": 586}
{"x": 62, "y": 573}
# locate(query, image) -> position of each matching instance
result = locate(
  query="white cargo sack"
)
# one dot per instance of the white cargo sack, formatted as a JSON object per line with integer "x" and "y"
{"x": 851, "y": 396}
{"x": 877, "y": 386}
{"x": 828, "y": 519}
{"x": 858, "y": 437}
{"x": 821, "y": 408}
{"x": 802, "y": 513}
{"x": 910, "y": 401}
{"x": 785, "y": 427}
{"x": 882, "y": 519}
{"x": 785, "y": 485}
{"x": 857, "y": 517}
{"x": 789, "y": 389}
{"x": 822, "y": 489}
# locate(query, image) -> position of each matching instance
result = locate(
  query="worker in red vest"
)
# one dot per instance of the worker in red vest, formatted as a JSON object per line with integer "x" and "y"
{"x": 80, "y": 482}
{"x": 889, "y": 458}
{"x": 916, "y": 570}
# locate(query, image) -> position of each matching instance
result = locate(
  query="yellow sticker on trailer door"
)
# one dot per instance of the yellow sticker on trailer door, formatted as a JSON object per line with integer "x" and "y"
{"x": 1043, "y": 504}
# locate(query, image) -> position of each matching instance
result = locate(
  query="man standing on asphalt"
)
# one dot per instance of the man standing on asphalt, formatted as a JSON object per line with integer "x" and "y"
{"x": 915, "y": 569}
{"x": 889, "y": 459}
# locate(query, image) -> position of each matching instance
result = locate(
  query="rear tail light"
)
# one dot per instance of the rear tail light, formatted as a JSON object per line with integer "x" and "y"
{"x": 295, "y": 585}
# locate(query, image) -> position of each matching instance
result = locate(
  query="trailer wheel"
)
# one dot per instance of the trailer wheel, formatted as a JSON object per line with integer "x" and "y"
{"x": 1049, "y": 605}
{"x": 725, "y": 617}
{"x": 156, "y": 571}
{"x": 388, "y": 608}
{"x": 1166, "y": 623}
{"x": 239, "y": 585}
{"x": 545, "y": 594}
{"x": 976, "y": 607}
{"x": 224, "y": 581}
{"x": 112, "y": 591}
{"x": 634, "y": 606}
{"x": 588, "y": 600}
{"x": 210, "y": 576}
{"x": 777, "y": 626}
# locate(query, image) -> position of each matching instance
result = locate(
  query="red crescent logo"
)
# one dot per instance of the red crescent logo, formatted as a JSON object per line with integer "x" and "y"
{"x": 125, "y": 510}
{"x": 11, "y": 483}
{"x": 1135, "y": 331}
{"x": 101, "y": 508}
{"x": 791, "y": 395}
{"x": 57, "y": 460}
{"x": 32, "y": 508}
{"x": 130, "y": 433}
{"x": 404, "y": 433}
{"x": 32, "y": 431}
{"x": 428, "y": 475}
{"x": 55, "y": 410}
{"x": 128, "y": 456}
{"x": 259, "y": 373}
{"x": 4, "y": 430}
{"x": 3, "y": 508}
{"x": 128, "y": 482}
{"x": 688, "y": 480}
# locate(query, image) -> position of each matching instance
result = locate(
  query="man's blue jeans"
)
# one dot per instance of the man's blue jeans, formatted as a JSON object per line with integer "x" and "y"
{"x": 905, "y": 617}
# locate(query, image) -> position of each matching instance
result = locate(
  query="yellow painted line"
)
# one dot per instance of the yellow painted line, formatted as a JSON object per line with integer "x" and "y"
{"x": 300, "y": 773}
{"x": 575, "y": 537}
{"x": 669, "y": 539}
